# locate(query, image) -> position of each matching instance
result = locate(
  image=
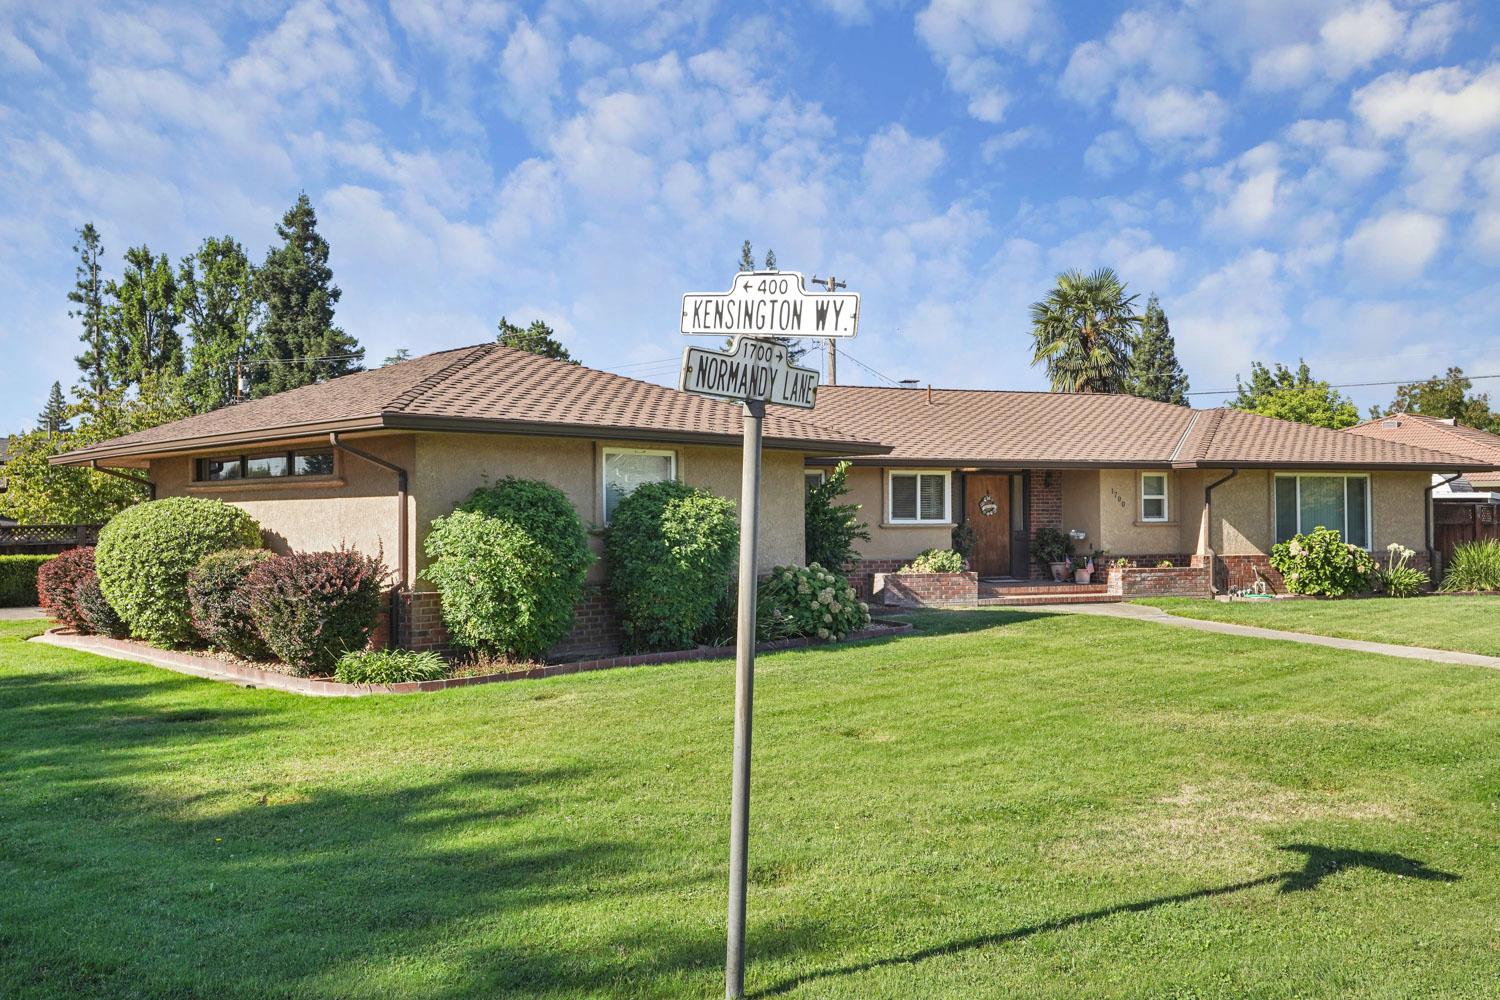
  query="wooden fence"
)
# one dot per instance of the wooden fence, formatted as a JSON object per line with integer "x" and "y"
{"x": 1454, "y": 523}
{"x": 45, "y": 539}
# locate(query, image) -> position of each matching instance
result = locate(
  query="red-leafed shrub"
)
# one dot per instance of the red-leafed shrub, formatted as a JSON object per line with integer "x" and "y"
{"x": 220, "y": 602}
{"x": 57, "y": 584}
{"x": 311, "y": 608}
{"x": 96, "y": 611}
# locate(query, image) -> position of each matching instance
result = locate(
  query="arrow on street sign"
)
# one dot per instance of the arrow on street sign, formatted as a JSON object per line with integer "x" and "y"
{"x": 750, "y": 370}
{"x": 770, "y": 304}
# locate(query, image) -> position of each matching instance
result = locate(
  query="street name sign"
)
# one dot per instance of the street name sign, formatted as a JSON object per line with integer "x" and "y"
{"x": 770, "y": 304}
{"x": 750, "y": 370}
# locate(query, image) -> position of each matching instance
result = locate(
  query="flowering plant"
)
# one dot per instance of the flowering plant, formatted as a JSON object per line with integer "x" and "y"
{"x": 1397, "y": 578}
{"x": 1322, "y": 563}
{"x": 814, "y": 601}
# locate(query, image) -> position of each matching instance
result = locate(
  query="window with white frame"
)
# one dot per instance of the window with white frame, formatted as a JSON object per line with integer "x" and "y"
{"x": 813, "y": 478}
{"x": 917, "y": 498}
{"x": 1153, "y": 496}
{"x": 1323, "y": 500}
{"x": 627, "y": 468}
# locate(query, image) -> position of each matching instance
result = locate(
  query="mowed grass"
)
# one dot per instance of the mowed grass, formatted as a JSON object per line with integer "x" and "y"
{"x": 1466, "y": 624}
{"x": 1007, "y": 804}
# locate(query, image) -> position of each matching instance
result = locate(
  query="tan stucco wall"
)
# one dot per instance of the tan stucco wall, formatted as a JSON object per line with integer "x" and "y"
{"x": 891, "y": 541}
{"x": 1245, "y": 511}
{"x": 1080, "y": 505}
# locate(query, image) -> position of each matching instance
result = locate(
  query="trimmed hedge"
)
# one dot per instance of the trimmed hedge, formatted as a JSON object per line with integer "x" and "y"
{"x": 311, "y": 608}
{"x": 670, "y": 549}
{"x": 220, "y": 603}
{"x": 146, "y": 552}
{"x": 509, "y": 564}
{"x": 58, "y": 583}
{"x": 18, "y": 580}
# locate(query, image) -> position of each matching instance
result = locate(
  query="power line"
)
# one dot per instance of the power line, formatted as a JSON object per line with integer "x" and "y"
{"x": 1339, "y": 385}
{"x": 867, "y": 367}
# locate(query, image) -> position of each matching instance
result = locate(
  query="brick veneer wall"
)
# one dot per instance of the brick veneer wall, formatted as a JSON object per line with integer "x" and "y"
{"x": 1147, "y": 560}
{"x": 1240, "y": 572}
{"x": 861, "y": 573}
{"x": 925, "y": 590}
{"x": 1177, "y": 581}
{"x": 1046, "y": 511}
{"x": 595, "y": 628}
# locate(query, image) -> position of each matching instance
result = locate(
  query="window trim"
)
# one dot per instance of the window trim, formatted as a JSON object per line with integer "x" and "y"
{"x": 947, "y": 518}
{"x": 1344, "y": 529}
{"x": 809, "y": 473}
{"x": 608, "y": 450}
{"x": 1164, "y": 497}
{"x": 244, "y": 480}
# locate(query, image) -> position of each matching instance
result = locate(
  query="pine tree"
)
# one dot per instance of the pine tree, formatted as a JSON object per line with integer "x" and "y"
{"x": 54, "y": 416}
{"x": 1154, "y": 371}
{"x": 538, "y": 338}
{"x": 299, "y": 340}
{"x": 88, "y": 296}
{"x": 216, "y": 296}
{"x": 771, "y": 260}
{"x": 747, "y": 257}
{"x": 794, "y": 347}
{"x": 143, "y": 318}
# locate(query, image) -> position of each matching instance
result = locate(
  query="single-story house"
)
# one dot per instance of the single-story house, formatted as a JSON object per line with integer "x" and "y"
{"x": 370, "y": 459}
{"x": 1464, "y": 508}
{"x": 1141, "y": 480}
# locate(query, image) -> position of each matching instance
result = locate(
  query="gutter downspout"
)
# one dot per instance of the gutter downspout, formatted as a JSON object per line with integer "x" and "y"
{"x": 150, "y": 486}
{"x": 402, "y": 482}
{"x": 1432, "y": 561}
{"x": 1205, "y": 530}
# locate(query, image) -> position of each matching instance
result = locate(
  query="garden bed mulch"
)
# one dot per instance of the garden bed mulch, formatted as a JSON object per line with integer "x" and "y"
{"x": 211, "y": 667}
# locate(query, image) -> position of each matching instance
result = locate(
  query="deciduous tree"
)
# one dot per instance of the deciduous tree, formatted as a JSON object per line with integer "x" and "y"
{"x": 1445, "y": 397}
{"x": 1296, "y": 396}
{"x": 216, "y": 295}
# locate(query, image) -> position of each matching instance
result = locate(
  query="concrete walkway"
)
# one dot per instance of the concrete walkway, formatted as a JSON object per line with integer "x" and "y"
{"x": 21, "y": 614}
{"x": 1146, "y": 613}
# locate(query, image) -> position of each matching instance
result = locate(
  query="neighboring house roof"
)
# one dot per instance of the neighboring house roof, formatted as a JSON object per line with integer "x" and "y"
{"x": 968, "y": 427}
{"x": 481, "y": 388}
{"x": 1441, "y": 435}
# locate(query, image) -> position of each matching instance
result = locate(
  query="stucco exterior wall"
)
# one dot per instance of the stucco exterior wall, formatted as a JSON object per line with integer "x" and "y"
{"x": 1245, "y": 511}
{"x": 1121, "y": 529}
{"x": 891, "y": 541}
{"x": 1080, "y": 503}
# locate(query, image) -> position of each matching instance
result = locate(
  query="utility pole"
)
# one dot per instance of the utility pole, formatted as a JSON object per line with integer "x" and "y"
{"x": 832, "y": 284}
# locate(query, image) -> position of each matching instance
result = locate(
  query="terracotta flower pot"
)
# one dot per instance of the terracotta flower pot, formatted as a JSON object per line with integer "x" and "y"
{"x": 1059, "y": 571}
{"x": 1081, "y": 576}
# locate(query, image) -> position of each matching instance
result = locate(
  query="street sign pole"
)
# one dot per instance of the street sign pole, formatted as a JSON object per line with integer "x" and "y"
{"x": 744, "y": 687}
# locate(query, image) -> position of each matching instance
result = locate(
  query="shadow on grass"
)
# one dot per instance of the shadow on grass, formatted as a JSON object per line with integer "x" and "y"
{"x": 1319, "y": 863}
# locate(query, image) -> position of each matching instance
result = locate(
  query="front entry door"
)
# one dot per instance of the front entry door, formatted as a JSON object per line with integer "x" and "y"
{"x": 987, "y": 512}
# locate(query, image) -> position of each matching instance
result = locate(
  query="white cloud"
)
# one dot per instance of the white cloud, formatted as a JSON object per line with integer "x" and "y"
{"x": 1351, "y": 38}
{"x": 1449, "y": 103}
{"x": 1110, "y": 153}
{"x": 1173, "y": 115}
{"x": 897, "y": 162}
{"x": 530, "y": 66}
{"x": 1396, "y": 246}
{"x": 964, "y": 36}
{"x": 1232, "y": 316}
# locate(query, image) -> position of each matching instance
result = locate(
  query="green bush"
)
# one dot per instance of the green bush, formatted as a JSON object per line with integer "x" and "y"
{"x": 670, "y": 548}
{"x": 509, "y": 564}
{"x": 1397, "y": 578}
{"x": 722, "y": 629}
{"x": 220, "y": 602}
{"x": 1051, "y": 546}
{"x": 1321, "y": 563}
{"x": 389, "y": 666}
{"x": 96, "y": 611}
{"x": 831, "y": 528}
{"x": 311, "y": 608}
{"x": 18, "y": 580}
{"x": 816, "y": 602}
{"x": 58, "y": 583}
{"x": 1474, "y": 566}
{"x": 146, "y": 552}
{"x": 935, "y": 561}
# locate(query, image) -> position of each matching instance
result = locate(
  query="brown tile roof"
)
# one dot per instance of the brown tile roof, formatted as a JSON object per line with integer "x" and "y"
{"x": 485, "y": 388}
{"x": 1430, "y": 432}
{"x": 1050, "y": 429}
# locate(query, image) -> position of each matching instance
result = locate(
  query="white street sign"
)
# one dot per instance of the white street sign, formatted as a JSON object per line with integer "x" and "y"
{"x": 770, "y": 304}
{"x": 750, "y": 370}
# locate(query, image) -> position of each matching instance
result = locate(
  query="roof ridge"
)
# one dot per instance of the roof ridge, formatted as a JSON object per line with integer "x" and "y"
{"x": 1177, "y": 450}
{"x": 1014, "y": 392}
{"x": 1216, "y": 420}
{"x": 420, "y": 389}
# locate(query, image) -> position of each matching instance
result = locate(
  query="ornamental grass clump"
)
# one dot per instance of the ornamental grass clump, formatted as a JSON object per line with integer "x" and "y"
{"x": 669, "y": 549}
{"x": 389, "y": 666}
{"x": 935, "y": 561}
{"x": 58, "y": 582}
{"x": 509, "y": 564}
{"x": 1321, "y": 563}
{"x": 1474, "y": 566}
{"x": 313, "y": 607}
{"x": 220, "y": 602}
{"x": 1397, "y": 578}
{"x": 815, "y": 602}
{"x": 146, "y": 552}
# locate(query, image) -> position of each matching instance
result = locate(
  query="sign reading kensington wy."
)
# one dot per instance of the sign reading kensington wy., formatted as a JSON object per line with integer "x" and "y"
{"x": 770, "y": 304}
{"x": 750, "y": 369}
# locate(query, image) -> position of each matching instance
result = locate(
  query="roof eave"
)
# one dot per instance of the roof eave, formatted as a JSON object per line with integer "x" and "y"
{"x": 184, "y": 446}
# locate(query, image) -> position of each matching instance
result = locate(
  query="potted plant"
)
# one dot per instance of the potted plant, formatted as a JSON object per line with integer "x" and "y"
{"x": 1055, "y": 549}
{"x": 1083, "y": 569}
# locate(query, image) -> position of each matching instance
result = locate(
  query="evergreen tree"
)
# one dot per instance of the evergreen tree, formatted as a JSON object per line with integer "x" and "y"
{"x": 771, "y": 260}
{"x": 794, "y": 347}
{"x": 143, "y": 318}
{"x": 1295, "y": 396}
{"x": 747, "y": 257}
{"x": 299, "y": 340}
{"x": 54, "y": 416}
{"x": 1154, "y": 371}
{"x": 1083, "y": 332}
{"x": 216, "y": 296}
{"x": 538, "y": 338}
{"x": 88, "y": 296}
{"x": 402, "y": 354}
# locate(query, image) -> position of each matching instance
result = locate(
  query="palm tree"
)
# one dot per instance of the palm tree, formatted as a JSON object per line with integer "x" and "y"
{"x": 1084, "y": 330}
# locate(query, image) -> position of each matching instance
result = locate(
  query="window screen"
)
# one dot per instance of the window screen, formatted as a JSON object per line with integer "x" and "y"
{"x": 1356, "y": 510}
{"x": 903, "y": 498}
{"x": 934, "y": 498}
{"x": 1286, "y": 507}
{"x": 625, "y": 470}
{"x": 1153, "y": 498}
{"x": 1305, "y": 503}
{"x": 919, "y": 496}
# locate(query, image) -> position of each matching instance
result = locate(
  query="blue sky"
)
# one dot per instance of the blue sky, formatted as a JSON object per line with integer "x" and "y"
{"x": 1293, "y": 177}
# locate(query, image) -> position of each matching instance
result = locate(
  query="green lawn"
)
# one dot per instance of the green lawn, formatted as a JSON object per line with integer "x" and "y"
{"x": 1008, "y": 804}
{"x": 1467, "y": 624}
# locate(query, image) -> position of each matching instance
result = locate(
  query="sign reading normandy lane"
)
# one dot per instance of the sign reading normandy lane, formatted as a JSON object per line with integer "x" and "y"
{"x": 770, "y": 304}
{"x": 750, "y": 369}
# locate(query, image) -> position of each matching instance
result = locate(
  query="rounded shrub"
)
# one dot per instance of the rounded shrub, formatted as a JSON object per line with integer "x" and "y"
{"x": 96, "y": 611}
{"x": 18, "y": 580}
{"x": 146, "y": 552}
{"x": 669, "y": 548}
{"x": 509, "y": 564}
{"x": 220, "y": 603}
{"x": 815, "y": 602}
{"x": 935, "y": 561}
{"x": 311, "y": 608}
{"x": 1323, "y": 564}
{"x": 58, "y": 581}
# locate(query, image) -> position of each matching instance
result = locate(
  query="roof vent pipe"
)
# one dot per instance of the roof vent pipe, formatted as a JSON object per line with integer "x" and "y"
{"x": 929, "y": 393}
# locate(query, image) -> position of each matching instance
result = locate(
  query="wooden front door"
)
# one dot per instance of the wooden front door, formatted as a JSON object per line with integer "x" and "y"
{"x": 987, "y": 512}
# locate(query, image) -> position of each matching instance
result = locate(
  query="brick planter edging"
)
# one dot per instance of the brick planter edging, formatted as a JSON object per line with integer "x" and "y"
{"x": 214, "y": 669}
{"x": 1166, "y": 581}
{"x": 925, "y": 590}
